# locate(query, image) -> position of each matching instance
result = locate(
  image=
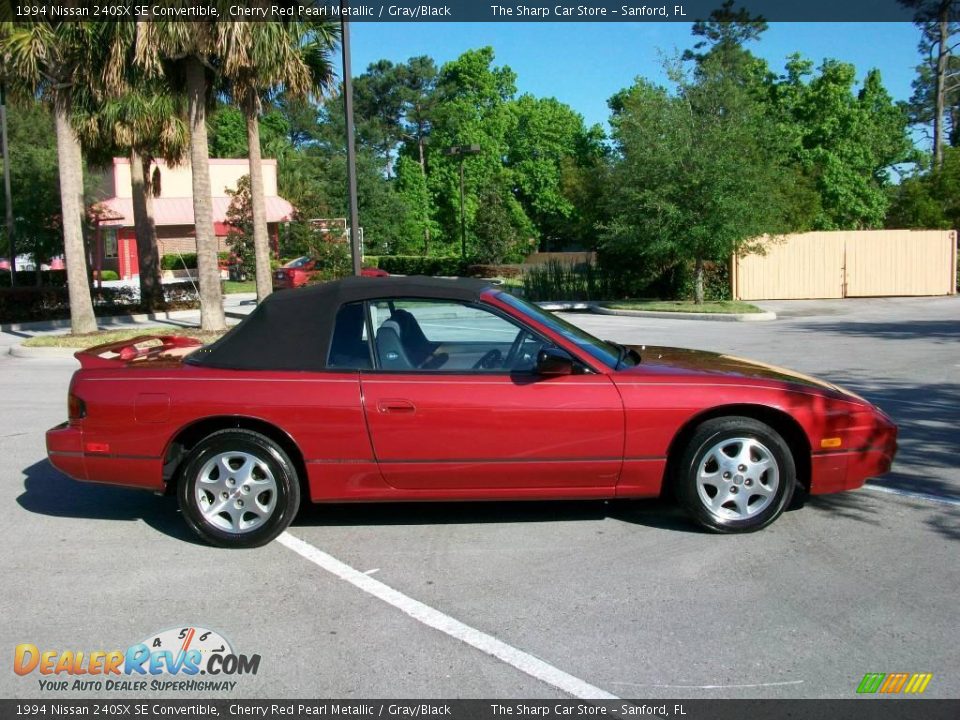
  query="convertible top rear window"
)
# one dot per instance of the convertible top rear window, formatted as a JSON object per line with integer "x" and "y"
{"x": 293, "y": 329}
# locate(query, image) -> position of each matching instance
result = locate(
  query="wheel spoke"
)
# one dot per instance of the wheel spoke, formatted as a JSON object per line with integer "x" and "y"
{"x": 243, "y": 495}
{"x": 753, "y": 488}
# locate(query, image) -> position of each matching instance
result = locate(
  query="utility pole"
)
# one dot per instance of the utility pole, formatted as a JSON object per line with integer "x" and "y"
{"x": 354, "y": 222}
{"x": 6, "y": 183}
{"x": 461, "y": 151}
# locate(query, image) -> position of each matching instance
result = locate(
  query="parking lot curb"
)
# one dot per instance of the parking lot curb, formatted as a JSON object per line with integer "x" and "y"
{"x": 718, "y": 317}
{"x": 106, "y": 320}
{"x": 41, "y": 353}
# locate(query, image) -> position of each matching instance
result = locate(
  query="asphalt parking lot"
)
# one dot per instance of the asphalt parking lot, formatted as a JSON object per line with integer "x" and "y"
{"x": 624, "y": 598}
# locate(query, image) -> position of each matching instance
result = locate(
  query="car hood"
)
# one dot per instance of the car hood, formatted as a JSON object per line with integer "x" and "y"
{"x": 682, "y": 361}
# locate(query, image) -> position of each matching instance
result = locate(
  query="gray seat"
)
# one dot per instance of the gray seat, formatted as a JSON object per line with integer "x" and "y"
{"x": 390, "y": 350}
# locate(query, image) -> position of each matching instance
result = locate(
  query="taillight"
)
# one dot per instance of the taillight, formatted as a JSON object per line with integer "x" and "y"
{"x": 76, "y": 408}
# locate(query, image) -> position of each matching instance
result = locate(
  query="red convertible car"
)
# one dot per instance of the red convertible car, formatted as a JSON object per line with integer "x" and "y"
{"x": 386, "y": 389}
{"x": 299, "y": 272}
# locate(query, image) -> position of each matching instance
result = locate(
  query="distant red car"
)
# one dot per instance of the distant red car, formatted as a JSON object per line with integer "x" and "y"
{"x": 301, "y": 271}
{"x": 425, "y": 389}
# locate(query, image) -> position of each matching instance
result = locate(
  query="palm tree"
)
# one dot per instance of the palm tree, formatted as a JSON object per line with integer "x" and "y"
{"x": 142, "y": 120}
{"x": 189, "y": 51}
{"x": 51, "y": 59}
{"x": 127, "y": 112}
{"x": 262, "y": 60}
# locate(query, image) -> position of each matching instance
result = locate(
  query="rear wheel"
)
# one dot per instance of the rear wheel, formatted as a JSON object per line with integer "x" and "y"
{"x": 238, "y": 489}
{"x": 736, "y": 474}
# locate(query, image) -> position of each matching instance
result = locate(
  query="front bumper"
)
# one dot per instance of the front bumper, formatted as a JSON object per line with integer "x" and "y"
{"x": 848, "y": 470}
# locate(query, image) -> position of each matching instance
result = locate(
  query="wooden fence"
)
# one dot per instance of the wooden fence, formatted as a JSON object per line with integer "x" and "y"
{"x": 866, "y": 263}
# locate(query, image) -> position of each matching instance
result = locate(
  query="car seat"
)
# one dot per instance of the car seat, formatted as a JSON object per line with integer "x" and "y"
{"x": 390, "y": 350}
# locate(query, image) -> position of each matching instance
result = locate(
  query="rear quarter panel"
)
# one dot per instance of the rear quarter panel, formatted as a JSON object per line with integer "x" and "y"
{"x": 138, "y": 411}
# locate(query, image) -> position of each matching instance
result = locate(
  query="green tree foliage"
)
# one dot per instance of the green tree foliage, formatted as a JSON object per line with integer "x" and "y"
{"x": 696, "y": 172}
{"x": 240, "y": 219}
{"x": 419, "y": 225}
{"x": 931, "y": 199}
{"x": 472, "y": 109}
{"x": 847, "y": 141}
{"x": 34, "y": 181}
{"x": 936, "y": 97}
{"x": 228, "y": 133}
{"x": 550, "y": 151}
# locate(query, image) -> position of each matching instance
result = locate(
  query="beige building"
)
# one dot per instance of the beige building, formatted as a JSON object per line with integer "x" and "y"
{"x": 115, "y": 241}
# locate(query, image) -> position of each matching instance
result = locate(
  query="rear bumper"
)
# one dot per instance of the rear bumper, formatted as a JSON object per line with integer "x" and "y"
{"x": 65, "y": 450}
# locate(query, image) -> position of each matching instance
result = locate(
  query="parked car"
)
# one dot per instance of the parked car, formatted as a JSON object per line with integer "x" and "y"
{"x": 303, "y": 270}
{"x": 426, "y": 389}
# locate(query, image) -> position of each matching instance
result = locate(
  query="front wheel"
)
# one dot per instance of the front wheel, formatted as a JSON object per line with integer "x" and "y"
{"x": 238, "y": 489}
{"x": 736, "y": 475}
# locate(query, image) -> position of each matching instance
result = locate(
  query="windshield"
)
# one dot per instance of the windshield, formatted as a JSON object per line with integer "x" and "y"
{"x": 299, "y": 262}
{"x": 607, "y": 353}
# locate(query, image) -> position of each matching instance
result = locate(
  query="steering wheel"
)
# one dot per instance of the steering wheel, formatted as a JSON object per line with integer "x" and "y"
{"x": 514, "y": 350}
{"x": 489, "y": 361}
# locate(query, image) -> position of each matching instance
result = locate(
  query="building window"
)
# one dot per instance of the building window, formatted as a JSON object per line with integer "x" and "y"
{"x": 109, "y": 242}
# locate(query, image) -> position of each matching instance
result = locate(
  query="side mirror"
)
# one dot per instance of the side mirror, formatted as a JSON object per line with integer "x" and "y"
{"x": 554, "y": 361}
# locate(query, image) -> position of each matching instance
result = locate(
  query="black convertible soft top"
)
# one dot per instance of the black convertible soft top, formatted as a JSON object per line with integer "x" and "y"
{"x": 292, "y": 329}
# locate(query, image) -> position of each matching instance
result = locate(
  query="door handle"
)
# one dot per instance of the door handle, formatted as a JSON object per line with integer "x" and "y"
{"x": 395, "y": 406}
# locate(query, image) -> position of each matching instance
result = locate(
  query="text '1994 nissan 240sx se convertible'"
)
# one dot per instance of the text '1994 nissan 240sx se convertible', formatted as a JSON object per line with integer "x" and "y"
{"x": 417, "y": 389}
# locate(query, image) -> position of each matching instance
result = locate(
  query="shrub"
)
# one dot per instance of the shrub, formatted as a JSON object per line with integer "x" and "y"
{"x": 107, "y": 275}
{"x": 495, "y": 271}
{"x": 419, "y": 265}
{"x": 174, "y": 261}
{"x": 557, "y": 280}
{"x": 716, "y": 282}
{"x": 29, "y": 304}
{"x": 27, "y": 278}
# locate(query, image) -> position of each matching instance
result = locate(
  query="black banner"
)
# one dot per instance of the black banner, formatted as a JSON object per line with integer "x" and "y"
{"x": 458, "y": 10}
{"x": 858, "y": 709}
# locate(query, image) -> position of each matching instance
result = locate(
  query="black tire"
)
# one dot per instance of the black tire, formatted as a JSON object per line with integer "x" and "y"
{"x": 259, "y": 504}
{"x": 736, "y": 474}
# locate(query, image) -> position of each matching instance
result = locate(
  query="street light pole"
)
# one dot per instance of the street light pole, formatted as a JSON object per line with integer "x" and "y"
{"x": 463, "y": 217}
{"x": 6, "y": 183}
{"x": 351, "y": 149}
{"x": 461, "y": 151}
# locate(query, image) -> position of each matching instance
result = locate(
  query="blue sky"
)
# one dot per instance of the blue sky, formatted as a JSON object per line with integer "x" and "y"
{"x": 583, "y": 64}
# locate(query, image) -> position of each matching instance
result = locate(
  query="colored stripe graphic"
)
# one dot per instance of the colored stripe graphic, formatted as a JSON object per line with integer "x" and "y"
{"x": 893, "y": 683}
{"x": 871, "y": 682}
{"x": 918, "y": 683}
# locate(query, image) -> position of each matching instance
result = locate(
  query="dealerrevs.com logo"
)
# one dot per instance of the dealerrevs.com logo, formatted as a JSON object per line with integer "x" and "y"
{"x": 186, "y": 659}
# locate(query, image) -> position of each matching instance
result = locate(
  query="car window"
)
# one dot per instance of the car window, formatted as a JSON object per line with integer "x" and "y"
{"x": 601, "y": 350}
{"x": 298, "y": 262}
{"x": 349, "y": 347}
{"x": 448, "y": 336}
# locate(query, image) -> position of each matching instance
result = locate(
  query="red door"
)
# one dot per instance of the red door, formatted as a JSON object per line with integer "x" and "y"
{"x": 443, "y": 423}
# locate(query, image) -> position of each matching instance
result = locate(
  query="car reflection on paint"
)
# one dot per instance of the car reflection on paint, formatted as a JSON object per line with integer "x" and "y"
{"x": 303, "y": 270}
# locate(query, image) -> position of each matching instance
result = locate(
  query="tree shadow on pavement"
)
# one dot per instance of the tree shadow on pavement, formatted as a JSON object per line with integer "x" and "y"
{"x": 937, "y": 331}
{"x": 929, "y": 439}
{"x": 49, "y": 492}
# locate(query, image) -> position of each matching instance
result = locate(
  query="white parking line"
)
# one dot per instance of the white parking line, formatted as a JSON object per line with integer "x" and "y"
{"x": 427, "y": 615}
{"x": 939, "y": 500}
{"x": 713, "y": 687}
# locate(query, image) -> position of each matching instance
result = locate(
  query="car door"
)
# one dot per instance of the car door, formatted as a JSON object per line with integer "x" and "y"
{"x": 446, "y": 412}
